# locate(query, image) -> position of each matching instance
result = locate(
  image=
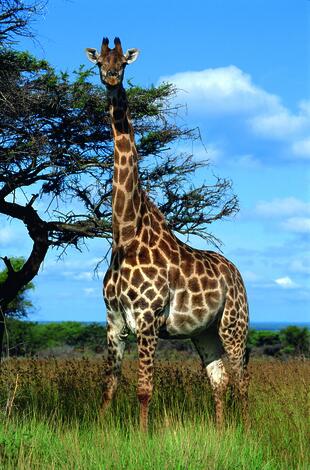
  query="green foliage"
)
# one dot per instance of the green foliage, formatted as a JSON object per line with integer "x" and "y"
{"x": 290, "y": 341}
{"x": 296, "y": 340}
{"x": 29, "y": 338}
{"x": 21, "y": 305}
{"x": 149, "y": 99}
{"x": 91, "y": 337}
{"x": 263, "y": 337}
{"x": 19, "y": 340}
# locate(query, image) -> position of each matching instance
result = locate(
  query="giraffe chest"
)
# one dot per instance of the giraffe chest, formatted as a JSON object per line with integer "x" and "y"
{"x": 131, "y": 291}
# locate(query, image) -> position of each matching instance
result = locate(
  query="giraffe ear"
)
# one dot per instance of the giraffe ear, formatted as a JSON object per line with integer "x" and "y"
{"x": 131, "y": 55}
{"x": 92, "y": 54}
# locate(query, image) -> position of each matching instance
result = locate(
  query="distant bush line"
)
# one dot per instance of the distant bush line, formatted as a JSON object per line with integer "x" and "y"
{"x": 26, "y": 338}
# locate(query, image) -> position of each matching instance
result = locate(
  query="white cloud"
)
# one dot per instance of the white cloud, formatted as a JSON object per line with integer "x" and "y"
{"x": 90, "y": 291}
{"x": 301, "y": 148}
{"x": 301, "y": 265}
{"x": 11, "y": 236}
{"x": 297, "y": 224}
{"x": 280, "y": 123}
{"x": 83, "y": 275}
{"x": 289, "y": 206}
{"x": 247, "y": 161}
{"x": 230, "y": 91}
{"x": 213, "y": 154}
{"x": 75, "y": 266}
{"x": 286, "y": 282}
{"x": 291, "y": 214}
{"x": 7, "y": 234}
{"x": 224, "y": 90}
{"x": 250, "y": 276}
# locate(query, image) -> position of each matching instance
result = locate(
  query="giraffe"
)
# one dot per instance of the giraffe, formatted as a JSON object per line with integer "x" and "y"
{"x": 157, "y": 286}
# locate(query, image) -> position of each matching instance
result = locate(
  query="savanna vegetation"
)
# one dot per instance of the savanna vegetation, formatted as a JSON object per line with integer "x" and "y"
{"x": 49, "y": 418}
{"x": 25, "y": 338}
{"x": 49, "y": 405}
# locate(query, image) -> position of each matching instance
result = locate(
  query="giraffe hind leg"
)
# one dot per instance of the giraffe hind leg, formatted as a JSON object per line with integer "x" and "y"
{"x": 210, "y": 350}
{"x": 233, "y": 333}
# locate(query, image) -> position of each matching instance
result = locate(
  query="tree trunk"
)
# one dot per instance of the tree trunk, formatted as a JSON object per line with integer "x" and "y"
{"x": 38, "y": 231}
{"x": 2, "y": 328}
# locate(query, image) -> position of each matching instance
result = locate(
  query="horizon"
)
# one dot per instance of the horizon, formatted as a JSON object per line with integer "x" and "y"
{"x": 251, "y": 323}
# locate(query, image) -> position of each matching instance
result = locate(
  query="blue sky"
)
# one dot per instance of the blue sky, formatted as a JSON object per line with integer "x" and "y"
{"x": 243, "y": 72}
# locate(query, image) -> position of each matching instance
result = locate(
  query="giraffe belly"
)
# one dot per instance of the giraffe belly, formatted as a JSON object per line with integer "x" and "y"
{"x": 184, "y": 325}
{"x": 130, "y": 320}
{"x": 187, "y": 319}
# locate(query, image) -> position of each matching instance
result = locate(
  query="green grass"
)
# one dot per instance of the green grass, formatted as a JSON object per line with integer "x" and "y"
{"x": 33, "y": 443}
{"x": 53, "y": 421}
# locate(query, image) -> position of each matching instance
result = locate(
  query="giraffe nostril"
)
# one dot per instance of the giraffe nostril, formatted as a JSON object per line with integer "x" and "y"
{"x": 112, "y": 73}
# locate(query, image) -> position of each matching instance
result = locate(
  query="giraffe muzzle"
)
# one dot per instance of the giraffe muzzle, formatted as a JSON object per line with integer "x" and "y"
{"x": 112, "y": 74}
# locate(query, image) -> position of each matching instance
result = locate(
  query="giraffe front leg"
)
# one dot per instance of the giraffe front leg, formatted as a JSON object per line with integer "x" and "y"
{"x": 147, "y": 338}
{"x": 116, "y": 346}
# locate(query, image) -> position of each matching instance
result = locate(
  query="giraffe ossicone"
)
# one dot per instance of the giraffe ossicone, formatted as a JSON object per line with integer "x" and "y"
{"x": 156, "y": 285}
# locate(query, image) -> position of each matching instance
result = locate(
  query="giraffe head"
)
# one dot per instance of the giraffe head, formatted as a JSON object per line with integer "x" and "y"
{"x": 111, "y": 62}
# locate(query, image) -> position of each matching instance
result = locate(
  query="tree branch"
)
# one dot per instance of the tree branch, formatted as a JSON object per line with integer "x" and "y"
{"x": 8, "y": 264}
{"x": 38, "y": 231}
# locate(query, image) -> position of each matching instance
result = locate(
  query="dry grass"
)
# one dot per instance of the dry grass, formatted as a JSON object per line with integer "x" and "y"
{"x": 68, "y": 392}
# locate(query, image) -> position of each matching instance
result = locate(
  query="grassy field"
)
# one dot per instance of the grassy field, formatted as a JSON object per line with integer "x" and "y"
{"x": 49, "y": 418}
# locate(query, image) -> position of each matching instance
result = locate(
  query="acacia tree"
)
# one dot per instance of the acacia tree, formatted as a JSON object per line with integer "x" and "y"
{"x": 56, "y": 149}
{"x": 19, "y": 307}
{"x": 16, "y": 17}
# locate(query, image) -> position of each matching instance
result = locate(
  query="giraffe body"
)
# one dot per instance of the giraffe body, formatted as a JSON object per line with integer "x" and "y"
{"x": 156, "y": 285}
{"x": 187, "y": 289}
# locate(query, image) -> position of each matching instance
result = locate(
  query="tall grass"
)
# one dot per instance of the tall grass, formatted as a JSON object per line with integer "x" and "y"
{"x": 53, "y": 418}
{"x": 190, "y": 445}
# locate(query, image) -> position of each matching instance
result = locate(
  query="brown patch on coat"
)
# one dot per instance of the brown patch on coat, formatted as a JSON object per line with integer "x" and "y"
{"x": 193, "y": 284}
{"x": 183, "y": 320}
{"x": 137, "y": 278}
{"x": 119, "y": 202}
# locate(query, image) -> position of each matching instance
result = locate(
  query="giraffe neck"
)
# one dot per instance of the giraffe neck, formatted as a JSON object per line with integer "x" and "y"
{"x": 126, "y": 195}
